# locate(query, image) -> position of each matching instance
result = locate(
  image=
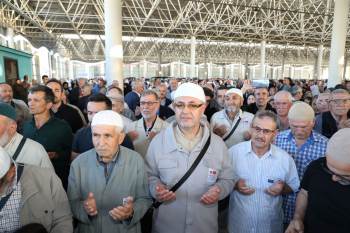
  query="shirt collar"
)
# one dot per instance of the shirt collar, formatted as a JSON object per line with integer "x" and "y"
{"x": 113, "y": 161}
{"x": 312, "y": 138}
{"x": 269, "y": 153}
{"x": 239, "y": 114}
{"x": 47, "y": 122}
{"x": 170, "y": 143}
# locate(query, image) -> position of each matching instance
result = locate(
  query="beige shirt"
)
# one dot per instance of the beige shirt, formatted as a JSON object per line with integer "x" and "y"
{"x": 184, "y": 142}
{"x": 141, "y": 143}
{"x": 32, "y": 153}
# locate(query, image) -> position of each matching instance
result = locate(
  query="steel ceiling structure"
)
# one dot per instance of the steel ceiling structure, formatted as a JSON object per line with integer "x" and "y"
{"x": 76, "y": 28}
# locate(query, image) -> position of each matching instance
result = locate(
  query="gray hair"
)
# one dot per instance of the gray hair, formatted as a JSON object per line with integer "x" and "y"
{"x": 339, "y": 91}
{"x": 136, "y": 83}
{"x": 150, "y": 92}
{"x": 287, "y": 93}
{"x": 269, "y": 114}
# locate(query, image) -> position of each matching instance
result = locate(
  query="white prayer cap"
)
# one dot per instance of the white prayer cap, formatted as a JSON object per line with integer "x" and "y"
{"x": 191, "y": 90}
{"x": 107, "y": 117}
{"x": 301, "y": 111}
{"x": 5, "y": 162}
{"x": 234, "y": 91}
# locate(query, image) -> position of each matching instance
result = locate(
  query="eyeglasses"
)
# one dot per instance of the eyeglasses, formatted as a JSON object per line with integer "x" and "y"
{"x": 340, "y": 101}
{"x": 343, "y": 180}
{"x": 264, "y": 131}
{"x": 191, "y": 106}
{"x": 149, "y": 104}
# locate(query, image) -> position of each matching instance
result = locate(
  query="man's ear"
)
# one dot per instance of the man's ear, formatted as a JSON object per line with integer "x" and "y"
{"x": 121, "y": 137}
{"x": 11, "y": 173}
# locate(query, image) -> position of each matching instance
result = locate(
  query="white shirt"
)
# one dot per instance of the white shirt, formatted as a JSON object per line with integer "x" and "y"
{"x": 221, "y": 118}
{"x": 260, "y": 212}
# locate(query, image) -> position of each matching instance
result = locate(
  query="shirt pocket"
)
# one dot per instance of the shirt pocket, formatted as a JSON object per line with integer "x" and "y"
{"x": 42, "y": 211}
{"x": 168, "y": 171}
{"x": 211, "y": 170}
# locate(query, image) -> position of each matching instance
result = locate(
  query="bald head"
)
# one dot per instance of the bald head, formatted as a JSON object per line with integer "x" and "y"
{"x": 337, "y": 156}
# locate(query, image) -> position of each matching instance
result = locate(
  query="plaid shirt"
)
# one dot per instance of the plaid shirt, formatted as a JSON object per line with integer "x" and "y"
{"x": 314, "y": 148}
{"x": 9, "y": 215}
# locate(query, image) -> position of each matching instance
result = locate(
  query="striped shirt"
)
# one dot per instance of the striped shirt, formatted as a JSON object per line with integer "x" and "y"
{"x": 9, "y": 215}
{"x": 259, "y": 212}
{"x": 314, "y": 148}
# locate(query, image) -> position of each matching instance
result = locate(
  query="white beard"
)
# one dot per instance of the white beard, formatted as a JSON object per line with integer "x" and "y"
{"x": 231, "y": 109}
{"x": 4, "y": 139}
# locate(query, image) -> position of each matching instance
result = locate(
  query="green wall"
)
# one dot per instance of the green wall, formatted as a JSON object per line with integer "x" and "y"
{"x": 24, "y": 62}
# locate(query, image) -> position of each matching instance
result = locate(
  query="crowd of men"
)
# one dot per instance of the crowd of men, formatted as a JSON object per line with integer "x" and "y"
{"x": 175, "y": 155}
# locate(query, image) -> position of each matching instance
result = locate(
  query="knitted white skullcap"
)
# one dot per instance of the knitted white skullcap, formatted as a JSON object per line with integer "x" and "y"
{"x": 235, "y": 91}
{"x": 338, "y": 147}
{"x": 301, "y": 111}
{"x": 191, "y": 90}
{"x": 107, "y": 117}
{"x": 5, "y": 162}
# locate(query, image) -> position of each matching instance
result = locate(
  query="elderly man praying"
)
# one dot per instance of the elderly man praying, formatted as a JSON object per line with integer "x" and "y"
{"x": 108, "y": 189}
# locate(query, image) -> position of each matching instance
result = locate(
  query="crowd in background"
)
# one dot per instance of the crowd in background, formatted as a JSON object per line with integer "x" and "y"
{"x": 278, "y": 157}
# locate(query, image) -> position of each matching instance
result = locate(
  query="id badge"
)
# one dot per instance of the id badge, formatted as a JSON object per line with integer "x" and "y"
{"x": 212, "y": 175}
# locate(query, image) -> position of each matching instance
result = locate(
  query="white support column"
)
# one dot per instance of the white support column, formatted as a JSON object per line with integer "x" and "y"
{"x": 185, "y": 70}
{"x": 131, "y": 70}
{"x": 50, "y": 54}
{"x": 346, "y": 58}
{"x": 210, "y": 70}
{"x": 87, "y": 70}
{"x": 44, "y": 63}
{"x": 70, "y": 70}
{"x": 240, "y": 68}
{"x": 10, "y": 34}
{"x": 291, "y": 72}
{"x": 159, "y": 63}
{"x": 113, "y": 41}
{"x": 21, "y": 44}
{"x": 144, "y": 68}
{"x": 336, "y": 58}
{"x": 319, "y": 62}
{"x": 262, "y": 60}
{"x": 57, "y": 67}
{"x": 246, "y": 65}
{"x": 171, "y": 69}
{"x": 139, "y": 66}
{"x": 232, "y": 69}
{"x": 193, "y": 57}
{"x": 281, "y": 76}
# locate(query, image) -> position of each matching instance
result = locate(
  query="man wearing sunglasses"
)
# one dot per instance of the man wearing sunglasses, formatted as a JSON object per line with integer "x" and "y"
{"x": 193, "y": 208}
{"x": 323, "y": 201}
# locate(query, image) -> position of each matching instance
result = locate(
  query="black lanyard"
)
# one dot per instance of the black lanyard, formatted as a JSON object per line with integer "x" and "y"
{"x": 147, "y": 130}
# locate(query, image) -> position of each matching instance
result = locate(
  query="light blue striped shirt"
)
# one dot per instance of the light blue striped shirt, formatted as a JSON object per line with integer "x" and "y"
{"x": 259, "y": 212}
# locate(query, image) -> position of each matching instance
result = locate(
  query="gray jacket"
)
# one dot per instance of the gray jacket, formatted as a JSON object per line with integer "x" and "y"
{"x": 44, "y": 200}
{"x": 128, "y": 178}
{"x": 167, "y": 162}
